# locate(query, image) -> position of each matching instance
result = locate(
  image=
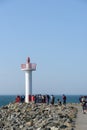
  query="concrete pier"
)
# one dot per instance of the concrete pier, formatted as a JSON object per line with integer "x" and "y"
{"x": 81, "y": 121}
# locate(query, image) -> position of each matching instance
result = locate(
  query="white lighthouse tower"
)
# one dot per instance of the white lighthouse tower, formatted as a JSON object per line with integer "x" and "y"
{"x": 28, "y": 68}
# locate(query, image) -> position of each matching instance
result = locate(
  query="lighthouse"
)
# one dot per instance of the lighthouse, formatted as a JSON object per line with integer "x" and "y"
{"x": 28, "y": 68}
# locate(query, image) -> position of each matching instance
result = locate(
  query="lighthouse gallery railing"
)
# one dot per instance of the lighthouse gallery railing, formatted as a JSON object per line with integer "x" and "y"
{"x": 28, "y": 66}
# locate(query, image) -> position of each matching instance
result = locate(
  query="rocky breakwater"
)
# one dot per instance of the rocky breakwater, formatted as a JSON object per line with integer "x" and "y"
{"x": 22, "y": 116}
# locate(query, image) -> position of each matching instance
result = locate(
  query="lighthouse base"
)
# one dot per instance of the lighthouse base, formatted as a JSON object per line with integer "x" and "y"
{"x": 28, "y": 98}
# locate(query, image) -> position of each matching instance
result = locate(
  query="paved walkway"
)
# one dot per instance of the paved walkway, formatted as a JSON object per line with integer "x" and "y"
{"x": 81, "y": 121}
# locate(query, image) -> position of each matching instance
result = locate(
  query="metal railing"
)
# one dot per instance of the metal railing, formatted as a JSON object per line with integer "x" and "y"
{"x": 28, "y": 66}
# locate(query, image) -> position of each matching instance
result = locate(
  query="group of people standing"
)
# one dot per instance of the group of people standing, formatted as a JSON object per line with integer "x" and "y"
{"x": 49, "y": 99}
{"x": 37, "y": 99}
{"x": 63, "y": 100}
{"x": 20, "y": 99}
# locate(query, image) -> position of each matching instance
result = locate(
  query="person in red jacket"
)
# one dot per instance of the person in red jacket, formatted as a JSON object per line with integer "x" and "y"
{"x": 18, "y": 99}
{"x": 33, "y": 98}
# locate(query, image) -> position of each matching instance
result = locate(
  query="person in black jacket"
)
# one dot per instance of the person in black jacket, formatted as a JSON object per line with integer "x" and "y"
{"x": 64, "y": 99}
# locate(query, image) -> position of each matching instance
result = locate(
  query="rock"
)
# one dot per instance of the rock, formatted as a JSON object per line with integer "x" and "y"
{"x": 54, "y": 128}
{"x": 1, "y": 124}
{"x": 23, "y": 116}
{"x": 30, "y": 123}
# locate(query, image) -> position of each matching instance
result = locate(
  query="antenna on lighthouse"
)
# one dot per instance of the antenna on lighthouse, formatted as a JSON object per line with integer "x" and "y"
{"x": 28, "y": 68}
{"x": 28, "y": 60}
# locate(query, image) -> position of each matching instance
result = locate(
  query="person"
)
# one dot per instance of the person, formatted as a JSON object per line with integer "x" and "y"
{"x": 47, "y": 99}
{"x": 33, "y": 99}
{"x": 64, "y": 99}
{"x": 18, "y": 99}
{"x": 52, "y": 99}
{"x": 59, "y": 102}
{"x": 22, "y": 98}
{"x": 83, "y": 104}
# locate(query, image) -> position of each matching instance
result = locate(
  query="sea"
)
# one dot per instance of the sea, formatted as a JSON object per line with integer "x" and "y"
{"x": 6, "y": 99}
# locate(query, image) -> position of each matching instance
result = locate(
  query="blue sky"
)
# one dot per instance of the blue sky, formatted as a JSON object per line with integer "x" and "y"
{"x": 54, "y": 34}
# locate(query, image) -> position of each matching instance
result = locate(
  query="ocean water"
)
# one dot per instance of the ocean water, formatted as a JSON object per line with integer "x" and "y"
{"x": 6, "y": 99}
